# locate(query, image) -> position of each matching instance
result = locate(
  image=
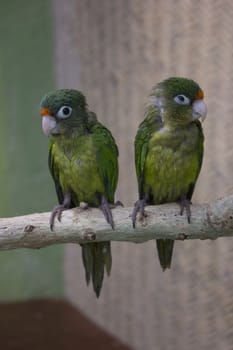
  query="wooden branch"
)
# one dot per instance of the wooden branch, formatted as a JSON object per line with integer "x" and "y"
{"x": 209, "y": 221}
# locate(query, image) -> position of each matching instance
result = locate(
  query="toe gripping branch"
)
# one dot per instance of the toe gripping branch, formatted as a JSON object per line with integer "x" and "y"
{"x": 185, "y": 205}
{"x": 58, "y": 209}
{"x": 139, "y": 207}
{"x": 105, "y": 207}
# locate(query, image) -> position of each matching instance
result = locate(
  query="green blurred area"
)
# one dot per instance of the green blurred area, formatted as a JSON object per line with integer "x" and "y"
{"x": 26, "y": 74}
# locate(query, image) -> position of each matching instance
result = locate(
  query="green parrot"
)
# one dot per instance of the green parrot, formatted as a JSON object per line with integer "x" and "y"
{"x": 83, "y": 161}
{"x": 169, "y": 150}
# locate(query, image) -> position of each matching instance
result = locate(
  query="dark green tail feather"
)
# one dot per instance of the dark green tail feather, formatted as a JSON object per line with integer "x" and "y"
{"x": 87, "y": 257}
{"x": 165, "y": 250}
{"x": 96, "y": 257}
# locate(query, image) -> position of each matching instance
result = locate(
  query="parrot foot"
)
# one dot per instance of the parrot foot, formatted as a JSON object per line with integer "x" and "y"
{"x": 139, "y": 207}
{"x": 116, "y": 204}
{"x": 185, "y": 204}
{"x": 106, "y": 209}
{"x": 58, "y": 209}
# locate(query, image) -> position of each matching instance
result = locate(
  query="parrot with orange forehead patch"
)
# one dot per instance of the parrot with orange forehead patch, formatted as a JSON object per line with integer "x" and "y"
{"x": 169, "y": 150}
{"x": 84, "y": 166}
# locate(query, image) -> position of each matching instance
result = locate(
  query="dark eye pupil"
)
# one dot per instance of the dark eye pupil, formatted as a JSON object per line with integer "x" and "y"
{"x": 66, "y": 110}
{"x": 181, "y": 98}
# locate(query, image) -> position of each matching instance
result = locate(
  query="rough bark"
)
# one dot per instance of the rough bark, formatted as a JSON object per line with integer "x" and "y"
{"x": 209, "y": 221}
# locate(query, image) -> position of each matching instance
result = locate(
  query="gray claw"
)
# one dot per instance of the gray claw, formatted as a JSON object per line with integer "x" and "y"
{"x": 185, "y": 205}
{"x": 139, "y": 207}
{"x": 107, "y": 211}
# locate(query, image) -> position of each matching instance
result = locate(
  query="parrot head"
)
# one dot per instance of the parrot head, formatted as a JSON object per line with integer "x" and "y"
{"x": 62, "y": 111}
{"x": 179, "y": 101}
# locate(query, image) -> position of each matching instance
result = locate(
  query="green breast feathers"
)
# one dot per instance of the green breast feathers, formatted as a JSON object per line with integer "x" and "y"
{"x": 172, "y": 163}
{"x": 76, "y": 168}
{"x": 80, "y": 164}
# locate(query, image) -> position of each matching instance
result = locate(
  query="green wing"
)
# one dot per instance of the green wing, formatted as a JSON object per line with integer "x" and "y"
{"x": 150, "y": 124}
{"x": 97, "y": 256}
{"x": 200, "y": 144}
{"x": 54, "y": 172}
{"x": 106, "y": 154}
{"x": 200, "y": 151}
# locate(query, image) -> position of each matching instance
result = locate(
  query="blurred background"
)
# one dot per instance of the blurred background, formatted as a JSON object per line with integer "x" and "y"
{"x": 115, "y": 51}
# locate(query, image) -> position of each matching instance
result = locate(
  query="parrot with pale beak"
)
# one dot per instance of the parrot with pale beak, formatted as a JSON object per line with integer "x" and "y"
{"x": 83, "y": 162}
{"x": 169, "y": 150}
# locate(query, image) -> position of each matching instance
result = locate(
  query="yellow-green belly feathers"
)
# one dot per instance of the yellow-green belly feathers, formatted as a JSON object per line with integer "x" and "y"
{"x": 172, "y": 165}
{"x": 78, "y": 171}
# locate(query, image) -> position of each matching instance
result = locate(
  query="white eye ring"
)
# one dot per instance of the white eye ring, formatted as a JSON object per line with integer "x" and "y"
{"x": 64, "y": 112}
{"x": 182, "y": 100}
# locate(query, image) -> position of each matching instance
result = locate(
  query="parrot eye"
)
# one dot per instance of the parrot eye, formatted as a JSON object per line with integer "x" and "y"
{"x": 182, "y": 100}
{"x": 64, "y": 112}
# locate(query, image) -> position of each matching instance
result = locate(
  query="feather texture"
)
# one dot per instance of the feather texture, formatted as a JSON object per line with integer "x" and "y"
{"x": 168, "y": 150}
{"x": 83, "y": 163}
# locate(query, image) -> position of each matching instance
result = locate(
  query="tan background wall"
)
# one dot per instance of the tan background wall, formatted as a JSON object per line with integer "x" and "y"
{"x": 115, "y": 51}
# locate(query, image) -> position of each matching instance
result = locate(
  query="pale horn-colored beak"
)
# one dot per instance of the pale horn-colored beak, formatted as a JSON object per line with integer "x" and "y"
{"x": 199, "y": 110}
{"x": 49, "y": 125}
